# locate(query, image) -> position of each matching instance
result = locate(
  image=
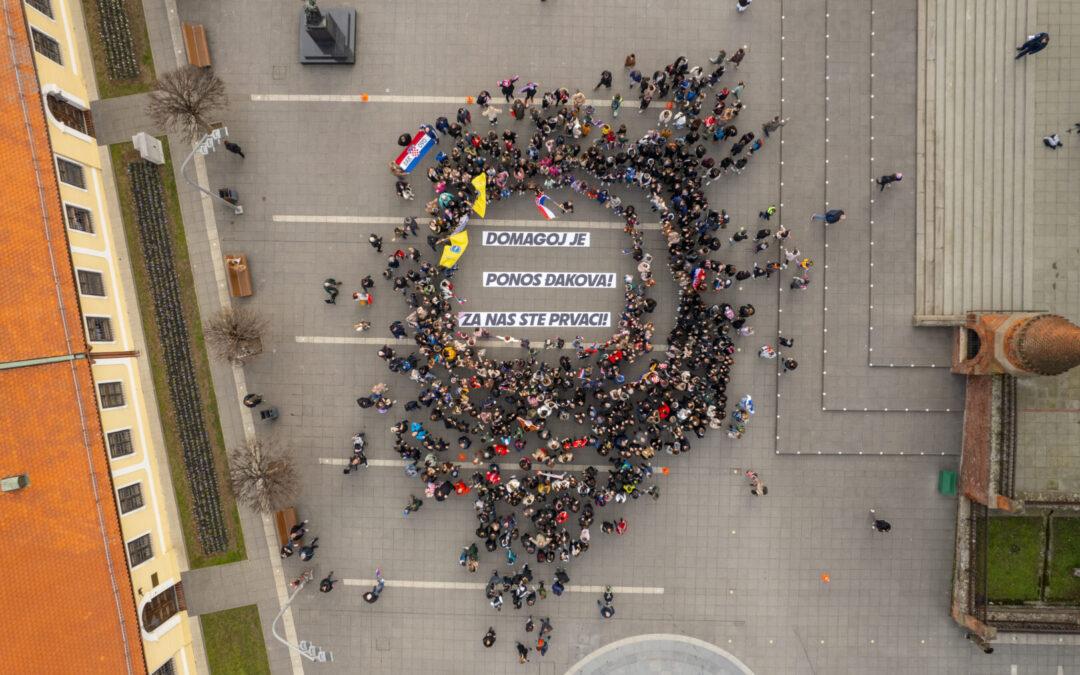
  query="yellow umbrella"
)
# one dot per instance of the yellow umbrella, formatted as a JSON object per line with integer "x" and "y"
{"x": 458, "y": 243}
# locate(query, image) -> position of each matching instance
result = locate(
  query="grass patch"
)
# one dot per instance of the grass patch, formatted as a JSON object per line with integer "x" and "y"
{"x": 140, "y": 38}
{"x": 234, "y": 642}
{"x": 122, "y": 154}
{"x": 1064, "y": 555}
{"x": 1014, "y": 565}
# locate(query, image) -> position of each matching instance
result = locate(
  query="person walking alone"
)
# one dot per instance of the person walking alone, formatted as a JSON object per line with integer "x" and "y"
{"x": 234, "y": 148}
{"x": 737, "y": 57}
{"x": 830, "y": 217}
{"x": 1035, "y": 43}
{"x": 882, "y": 526}
{"x": 327, "y": 584}
{"x": 888, "y": 180}
{"x": 373, "y": 595}
{"x": 605, "y": 80}
{"x": 331, "y": 287}
{"x": 774, "y": 124}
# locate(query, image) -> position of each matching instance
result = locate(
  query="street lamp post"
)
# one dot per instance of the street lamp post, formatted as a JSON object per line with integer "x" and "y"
{"x": 205, "y": 146}
{"x": 305, "y": 648}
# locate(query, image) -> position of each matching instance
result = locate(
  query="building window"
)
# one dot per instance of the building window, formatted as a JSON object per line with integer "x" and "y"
{"x": 140, "y": 550}
{"x": 43, "y": 6}
{"x": 130, "y": 497}
{"x": 99, "y": 329}
{"x": 46, "y": 46}
{"x": 111, "y": 394}
{"x": 162, "y": 607}
{"x": 91, "y": 283}
{"x": 167, "y": 668}
{"x": 71, "y": 173}
{"x": 78, "y": 218}
{"x": 120, "y": 444}
{"x": 68, "y": 115}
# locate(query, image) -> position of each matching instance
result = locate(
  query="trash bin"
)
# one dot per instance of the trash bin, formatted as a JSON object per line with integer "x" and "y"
{"x": 947, "y": 482}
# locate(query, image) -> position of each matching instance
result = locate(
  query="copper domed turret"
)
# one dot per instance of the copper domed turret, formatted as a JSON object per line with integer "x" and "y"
{"x": 1021, "y": 344}
{"x": 1045, "y": 344}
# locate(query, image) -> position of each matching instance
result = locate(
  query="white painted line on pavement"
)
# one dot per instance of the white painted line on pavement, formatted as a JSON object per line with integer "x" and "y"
{"x": 613, "y": 224}
{"x": 311, "y": 339}
{"x": 477, "y": 586}
{"x": 458, "y": 101}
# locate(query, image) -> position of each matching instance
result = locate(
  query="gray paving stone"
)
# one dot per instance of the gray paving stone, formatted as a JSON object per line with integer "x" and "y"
{"x": 737, "y": 571}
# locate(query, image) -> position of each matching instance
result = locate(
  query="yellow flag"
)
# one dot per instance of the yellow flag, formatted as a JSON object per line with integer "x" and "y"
{"x": 458, "y": 243}
{"x": 480, "y": 205}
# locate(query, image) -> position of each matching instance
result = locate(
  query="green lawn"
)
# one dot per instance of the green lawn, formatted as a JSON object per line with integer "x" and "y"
{"x": 140, "y": 37}
{"x": 1015, "y": 550}
{"x": 1064, "y": 555}
{"x": 122, "y": 154}
{"x": 234, "y": 642}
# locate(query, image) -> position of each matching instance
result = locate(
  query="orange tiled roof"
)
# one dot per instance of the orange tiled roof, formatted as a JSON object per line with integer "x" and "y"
{"x": 32, "y": 237}
{"x": 67, "y": 600}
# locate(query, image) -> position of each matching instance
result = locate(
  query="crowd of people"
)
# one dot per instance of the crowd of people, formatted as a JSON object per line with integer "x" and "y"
{"x": 617, "y": 398}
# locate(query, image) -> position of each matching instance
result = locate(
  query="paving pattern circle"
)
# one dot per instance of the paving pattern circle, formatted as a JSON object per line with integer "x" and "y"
{"x": 660, "y": 655}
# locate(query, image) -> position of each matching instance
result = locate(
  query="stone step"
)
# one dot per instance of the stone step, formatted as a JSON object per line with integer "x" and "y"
{"x": 974, "y": 157}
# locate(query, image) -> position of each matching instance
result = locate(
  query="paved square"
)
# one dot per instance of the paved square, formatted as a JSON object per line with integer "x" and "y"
{"x": 739, "y": 572}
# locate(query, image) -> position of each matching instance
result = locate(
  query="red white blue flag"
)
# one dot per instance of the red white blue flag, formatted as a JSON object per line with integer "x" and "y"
{"x": 421, "y": 143}
{"x": 699, "y": 277}
{"x": 544, "y": 203}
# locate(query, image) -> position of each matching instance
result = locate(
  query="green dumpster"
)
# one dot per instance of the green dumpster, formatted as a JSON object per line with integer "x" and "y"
{"x": 947, "y": 482}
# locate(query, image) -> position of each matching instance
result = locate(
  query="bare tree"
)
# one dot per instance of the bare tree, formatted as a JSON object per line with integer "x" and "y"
{"x": 234, "y": 334}
{"x": 184, "y": 98}
{"x": 264, "y": 475}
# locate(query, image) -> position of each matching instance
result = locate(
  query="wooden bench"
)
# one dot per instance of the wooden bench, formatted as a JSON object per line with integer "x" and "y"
{"x": 198, "y": 51}
{"x": 284, "y": 521}
{"x": 236, "y": 267}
